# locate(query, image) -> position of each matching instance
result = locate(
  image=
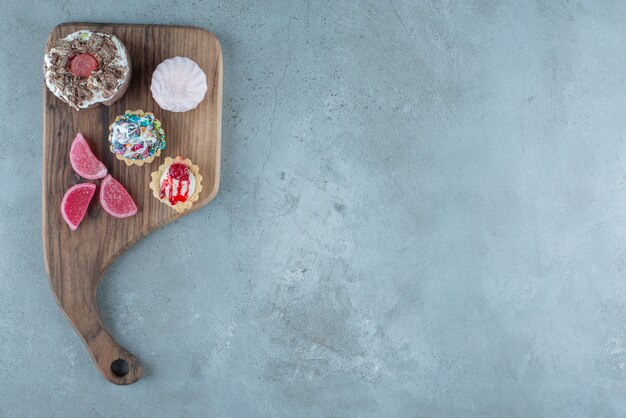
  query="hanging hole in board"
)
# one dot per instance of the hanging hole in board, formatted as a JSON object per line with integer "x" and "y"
{"x": 119, "y": 367}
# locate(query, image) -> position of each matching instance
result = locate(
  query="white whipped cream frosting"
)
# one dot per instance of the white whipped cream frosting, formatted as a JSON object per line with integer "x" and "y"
{"x": 168, "y": 191}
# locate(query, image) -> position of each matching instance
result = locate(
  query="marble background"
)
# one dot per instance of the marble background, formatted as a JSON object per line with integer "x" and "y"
{"x": 422, "y": 213}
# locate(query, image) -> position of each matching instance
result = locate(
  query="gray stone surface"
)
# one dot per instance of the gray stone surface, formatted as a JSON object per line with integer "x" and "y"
{"x": 422, "y": 213}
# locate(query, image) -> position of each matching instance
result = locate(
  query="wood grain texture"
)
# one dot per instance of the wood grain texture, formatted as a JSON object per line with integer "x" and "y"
{"x": 76, "y": 260}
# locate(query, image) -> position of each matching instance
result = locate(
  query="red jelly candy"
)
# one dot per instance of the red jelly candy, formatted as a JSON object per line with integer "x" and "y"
{"x": 82, "y": 65}
{"x": 115, "y": 200}
{"x": 75, "y": 203}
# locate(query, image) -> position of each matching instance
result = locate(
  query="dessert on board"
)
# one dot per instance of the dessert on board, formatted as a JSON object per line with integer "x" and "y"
{"x": 177, "y": 183}
{"x": 75, "y": 203}
{"x": 83, "y": 161}
{"x": 136, "y": 137}
{"x": 178, "y": 84}
{"x": 86, "y": 69}
{"x": 115, "y": 199}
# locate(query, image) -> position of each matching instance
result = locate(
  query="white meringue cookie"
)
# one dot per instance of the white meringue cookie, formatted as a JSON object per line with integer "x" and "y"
{"x": 178, "y": 84}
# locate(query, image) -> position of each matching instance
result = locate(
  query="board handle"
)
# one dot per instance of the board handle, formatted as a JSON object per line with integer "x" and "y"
{"x": 116, "y": 364}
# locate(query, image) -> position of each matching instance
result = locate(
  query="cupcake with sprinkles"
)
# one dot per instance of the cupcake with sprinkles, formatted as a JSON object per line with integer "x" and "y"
{"x": 136, "y": 137}
{"x": 177, "y": 183}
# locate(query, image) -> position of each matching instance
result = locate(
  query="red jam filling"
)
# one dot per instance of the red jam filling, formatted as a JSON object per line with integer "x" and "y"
{"x": 175, "y": 181}
{"x": 82, "y": 65}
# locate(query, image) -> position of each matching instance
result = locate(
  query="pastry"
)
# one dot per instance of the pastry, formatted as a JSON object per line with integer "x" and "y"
{"x": 178, "y": 84}
{"x": 136, "y": 137}
{"x": 177, "y": 183}
{"x": 87, "y": 68}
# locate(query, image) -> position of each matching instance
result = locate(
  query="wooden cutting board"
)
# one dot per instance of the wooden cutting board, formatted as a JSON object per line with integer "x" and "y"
{"x": 76, "y": 260}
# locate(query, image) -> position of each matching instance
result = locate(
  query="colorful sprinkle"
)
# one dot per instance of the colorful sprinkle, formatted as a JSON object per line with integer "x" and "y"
{"x": 136, "y": 135}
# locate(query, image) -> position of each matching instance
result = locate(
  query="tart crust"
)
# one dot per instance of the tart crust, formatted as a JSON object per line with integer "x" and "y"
{"x": 139, "y": 163}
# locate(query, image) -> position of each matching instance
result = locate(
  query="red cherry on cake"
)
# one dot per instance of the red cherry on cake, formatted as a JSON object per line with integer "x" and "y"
{"x": 82, "y": 65}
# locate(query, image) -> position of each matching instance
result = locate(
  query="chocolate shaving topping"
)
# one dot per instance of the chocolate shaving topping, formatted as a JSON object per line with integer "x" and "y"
{"x": 77, "y": 90}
